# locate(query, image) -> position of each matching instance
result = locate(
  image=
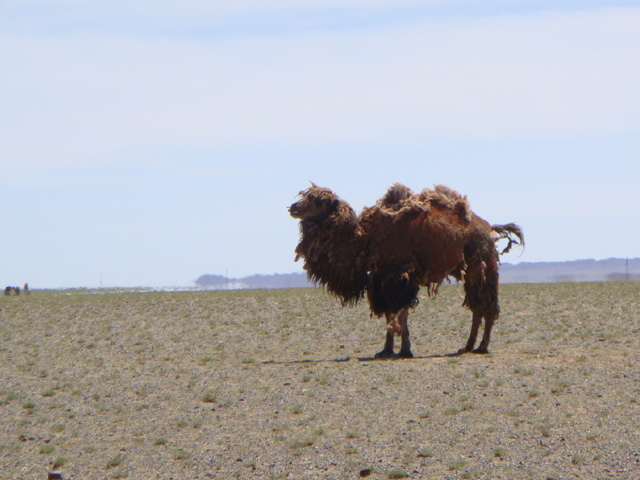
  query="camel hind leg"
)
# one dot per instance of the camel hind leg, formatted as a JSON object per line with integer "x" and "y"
{"x": 491, "y": 308}
{"x": 481, "y": 296}
{"x": 475, "y": 326}
{"x": 486, "y": 337}
{"x": 484, "y": 344}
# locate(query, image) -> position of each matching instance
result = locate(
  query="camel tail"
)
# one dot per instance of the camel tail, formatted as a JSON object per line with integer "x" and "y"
{"x": 510, "y": 231}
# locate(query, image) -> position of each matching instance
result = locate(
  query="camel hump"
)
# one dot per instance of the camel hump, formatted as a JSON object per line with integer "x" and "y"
{"x": 396, "y": 195}
{"x": 398, "y": 201}
{"x": 446, "y": 197}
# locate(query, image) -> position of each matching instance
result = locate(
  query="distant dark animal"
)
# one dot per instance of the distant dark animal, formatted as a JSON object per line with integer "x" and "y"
{"x": 15, "y": 290}
{"x": 405, "y": 241}
{"x": 25, "y": 289}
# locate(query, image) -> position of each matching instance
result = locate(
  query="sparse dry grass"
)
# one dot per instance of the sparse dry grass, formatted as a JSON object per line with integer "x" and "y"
{"x": 281, "y": 384}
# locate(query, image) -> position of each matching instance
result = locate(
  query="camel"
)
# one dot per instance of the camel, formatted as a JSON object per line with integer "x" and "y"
{"x": 404, "y": 242}
{"x": 15, "y": 290}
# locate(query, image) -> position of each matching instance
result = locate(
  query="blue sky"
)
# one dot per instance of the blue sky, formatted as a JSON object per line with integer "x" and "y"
{"x": 147, "y": 143}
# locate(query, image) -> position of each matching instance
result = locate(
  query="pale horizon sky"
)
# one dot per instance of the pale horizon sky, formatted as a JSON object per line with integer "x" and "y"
{"x": 148, "y": 143}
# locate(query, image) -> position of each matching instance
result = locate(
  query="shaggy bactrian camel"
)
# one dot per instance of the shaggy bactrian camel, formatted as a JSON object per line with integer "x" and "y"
{"x": 405, "y": 241}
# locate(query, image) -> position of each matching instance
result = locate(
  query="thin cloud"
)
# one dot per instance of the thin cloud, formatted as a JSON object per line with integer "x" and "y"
{"x": 95, "y": 98}
{"x": 198, "y": 18}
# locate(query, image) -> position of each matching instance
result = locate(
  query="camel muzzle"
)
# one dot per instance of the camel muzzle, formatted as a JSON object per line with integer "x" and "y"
{"x": 293, "y": 210}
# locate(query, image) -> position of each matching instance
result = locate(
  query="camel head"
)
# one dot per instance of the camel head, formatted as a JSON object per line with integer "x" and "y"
{"x": 316, "y": 203}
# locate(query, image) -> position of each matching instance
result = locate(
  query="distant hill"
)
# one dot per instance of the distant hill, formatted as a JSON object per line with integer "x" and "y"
{"x": 612, "y": 269}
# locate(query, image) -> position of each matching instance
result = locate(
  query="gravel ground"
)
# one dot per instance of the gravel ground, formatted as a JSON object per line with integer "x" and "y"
{"x": 282, "y": 384}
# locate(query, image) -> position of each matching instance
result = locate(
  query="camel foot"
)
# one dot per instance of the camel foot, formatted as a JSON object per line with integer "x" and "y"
{"x": 384, "y": 354}
{"x": 462, "y": 351}
{"x": 406, "y": 354}
{"x": 481, "y": 350}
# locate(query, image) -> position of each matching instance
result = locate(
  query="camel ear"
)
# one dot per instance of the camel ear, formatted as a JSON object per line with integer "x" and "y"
{"x": 313, "y": 185}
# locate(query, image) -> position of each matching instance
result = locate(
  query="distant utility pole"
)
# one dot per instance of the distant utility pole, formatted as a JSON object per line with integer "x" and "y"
{"x": 627, "y": 269}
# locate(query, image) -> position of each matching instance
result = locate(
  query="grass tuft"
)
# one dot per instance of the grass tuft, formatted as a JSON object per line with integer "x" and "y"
{"x": 47, "y": 449}
{"x": 396, "y": 473}
{"x": 115, "y": 461}
{"x": 210, "y": 396}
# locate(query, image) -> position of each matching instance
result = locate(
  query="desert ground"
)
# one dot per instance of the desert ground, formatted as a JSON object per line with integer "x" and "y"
{"x": 282, "y": 384}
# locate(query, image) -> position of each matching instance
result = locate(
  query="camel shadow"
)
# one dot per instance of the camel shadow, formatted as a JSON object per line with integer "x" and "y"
{"x": 395, "y": 357}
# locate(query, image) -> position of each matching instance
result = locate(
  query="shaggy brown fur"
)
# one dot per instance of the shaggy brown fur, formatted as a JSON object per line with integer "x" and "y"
{"x": 405, "y": 241}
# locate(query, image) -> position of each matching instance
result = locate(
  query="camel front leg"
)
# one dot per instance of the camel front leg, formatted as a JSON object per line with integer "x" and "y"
{"x": 405, "y": 348}
{"x": 387, "y": 351}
